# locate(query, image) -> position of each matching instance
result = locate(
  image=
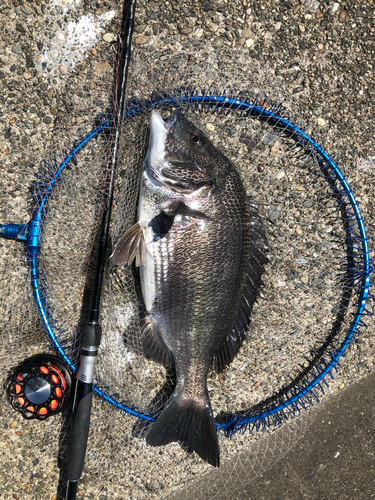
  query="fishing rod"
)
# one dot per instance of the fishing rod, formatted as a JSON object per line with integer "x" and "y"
{"x": 91, "y": 334}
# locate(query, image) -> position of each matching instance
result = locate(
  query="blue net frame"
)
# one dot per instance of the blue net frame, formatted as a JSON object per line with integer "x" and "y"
{"x": 309, "y": 389}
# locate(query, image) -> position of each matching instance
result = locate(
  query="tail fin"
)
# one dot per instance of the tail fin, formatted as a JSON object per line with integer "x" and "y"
{"x": 186, "y": 421}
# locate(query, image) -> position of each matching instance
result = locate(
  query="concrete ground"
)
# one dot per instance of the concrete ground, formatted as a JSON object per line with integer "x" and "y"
{"x": 333, "y": 460}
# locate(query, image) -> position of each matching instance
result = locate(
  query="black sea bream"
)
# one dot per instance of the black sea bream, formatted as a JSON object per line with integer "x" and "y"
{"x": 200, "y": 246}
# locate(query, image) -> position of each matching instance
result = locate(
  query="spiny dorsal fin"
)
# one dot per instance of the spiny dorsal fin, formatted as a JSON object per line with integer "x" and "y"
{"x": 250, "y": 288}
{"x": 130, "y": 246}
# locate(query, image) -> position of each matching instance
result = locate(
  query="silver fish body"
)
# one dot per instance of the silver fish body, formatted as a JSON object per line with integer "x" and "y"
{"x": 200, "y": 249}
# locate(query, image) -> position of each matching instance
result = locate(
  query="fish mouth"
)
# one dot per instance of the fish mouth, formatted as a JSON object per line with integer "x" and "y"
{"x": 159, "y": 129}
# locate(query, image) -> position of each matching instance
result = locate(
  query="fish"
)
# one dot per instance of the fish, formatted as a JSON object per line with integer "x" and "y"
{"x": 200, "y": 246}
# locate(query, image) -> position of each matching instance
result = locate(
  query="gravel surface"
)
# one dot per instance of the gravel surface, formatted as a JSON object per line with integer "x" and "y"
{"x": 318, "y": 57}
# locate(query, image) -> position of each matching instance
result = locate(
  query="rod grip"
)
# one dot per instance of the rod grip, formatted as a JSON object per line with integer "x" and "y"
{"x": 79, "y": 431}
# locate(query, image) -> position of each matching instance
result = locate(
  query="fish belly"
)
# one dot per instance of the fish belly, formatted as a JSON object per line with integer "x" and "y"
{"x": 147, "y": 271}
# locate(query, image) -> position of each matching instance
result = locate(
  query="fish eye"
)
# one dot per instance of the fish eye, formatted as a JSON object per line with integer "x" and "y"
{"x": 196, "y": 140}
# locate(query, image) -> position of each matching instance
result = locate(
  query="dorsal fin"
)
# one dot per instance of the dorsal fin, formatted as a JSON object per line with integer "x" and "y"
{"x": 250, "y": 288}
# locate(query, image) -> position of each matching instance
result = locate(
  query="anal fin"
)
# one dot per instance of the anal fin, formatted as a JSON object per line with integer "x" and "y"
{"x": 130, "y": 246}
{"x": 154, "y": 346}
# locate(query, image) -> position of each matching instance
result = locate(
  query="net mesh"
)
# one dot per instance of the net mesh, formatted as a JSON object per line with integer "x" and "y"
{"x": 306, "y": 303}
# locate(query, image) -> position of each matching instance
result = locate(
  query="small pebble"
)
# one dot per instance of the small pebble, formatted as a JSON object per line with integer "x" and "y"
{"x": 63, "y": 68}
{"x": 13, "y": 424}
{"x": 321, "y": 122}
{"x": 342, "y": 16}
{"x": 27, "y": 76}
{"x": 102, "y": 67}
{"x": 269, "y": 137}
{"x": 341, "y": 386}
{"x": 109, "y": 37}
{"x": 335, "y": 7}
{"x": 140, "y": 28}
{"x": 26, "y": 9}
{"x": 140, "y": 40}
{"x": 246, "y": 33}
{"x": 16, "y": 49}
{"x": 20, "y": 28}
{"x": 93, "y": 52}
{"x": 301, "y": 28}
{"x": 210, "y": 127}
{"x": 49, "y": 467}
{"x": 273, "y": 213}
{"x": 186, "y": 30}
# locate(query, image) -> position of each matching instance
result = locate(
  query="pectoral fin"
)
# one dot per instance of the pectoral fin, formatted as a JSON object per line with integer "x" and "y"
{"x": 131, "y": 246}
{"x": 180, "y": 208}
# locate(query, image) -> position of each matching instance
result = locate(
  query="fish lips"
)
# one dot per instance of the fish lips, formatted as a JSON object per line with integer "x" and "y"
{"x": 161, "y": 127}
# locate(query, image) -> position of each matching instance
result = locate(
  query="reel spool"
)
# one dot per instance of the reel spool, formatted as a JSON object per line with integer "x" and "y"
{"x": 40, "y": 387}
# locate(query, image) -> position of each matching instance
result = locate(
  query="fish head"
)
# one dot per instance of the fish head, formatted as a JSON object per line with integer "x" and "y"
{"x": 180, "y": 158}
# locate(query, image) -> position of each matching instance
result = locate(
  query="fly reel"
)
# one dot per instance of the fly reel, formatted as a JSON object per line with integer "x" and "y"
{"x": 40, "y": 387}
